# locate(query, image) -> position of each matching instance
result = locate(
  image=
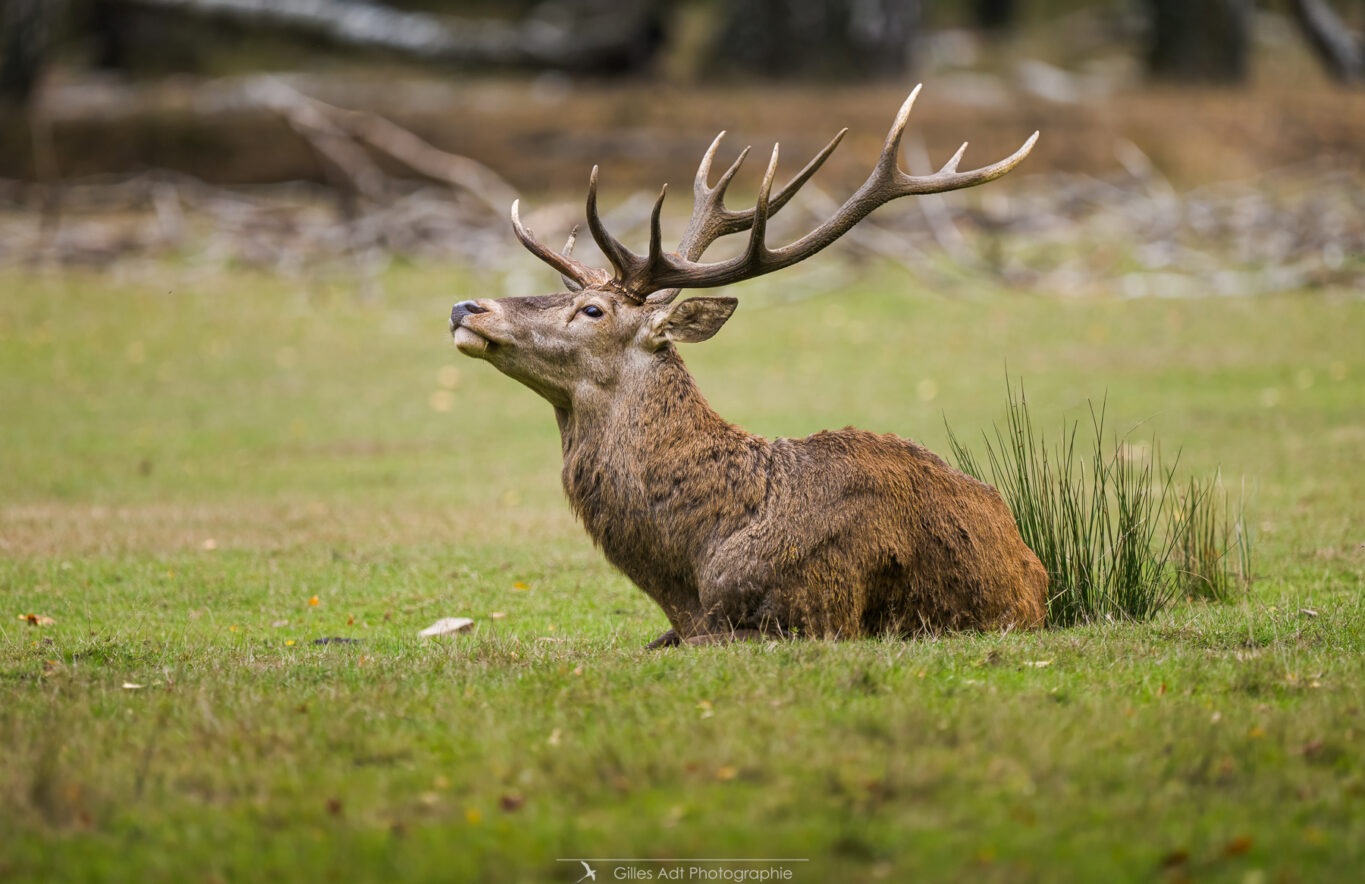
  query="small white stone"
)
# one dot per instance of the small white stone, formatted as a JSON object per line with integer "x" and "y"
{"x": 447, "y": 626}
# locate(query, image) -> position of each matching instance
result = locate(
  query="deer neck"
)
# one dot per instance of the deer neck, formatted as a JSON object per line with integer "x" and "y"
{"x": 631, "y": 460}
{"x": 653, "y": 415}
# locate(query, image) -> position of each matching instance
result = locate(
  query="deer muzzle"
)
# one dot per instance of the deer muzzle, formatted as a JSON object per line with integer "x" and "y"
{"x": 463, "y": 309}
{"x": 467, "y": 339}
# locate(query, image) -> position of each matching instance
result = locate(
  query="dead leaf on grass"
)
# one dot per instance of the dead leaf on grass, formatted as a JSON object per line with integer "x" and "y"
{"x": 1311, "y": 748}
{"x": 38, "y": 620}
{"x": 1237, "y": 846}
{"x": 1175, "y": 858}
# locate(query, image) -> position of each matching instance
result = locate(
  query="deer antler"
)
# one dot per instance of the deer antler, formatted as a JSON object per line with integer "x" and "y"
{"x": 576, "y": 274}
{"x": 710, "y": 221}
{"x": 658, "y": 275}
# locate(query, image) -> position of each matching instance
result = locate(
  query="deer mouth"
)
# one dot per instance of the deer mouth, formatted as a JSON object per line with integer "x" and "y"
{"x": 471, "y": 342}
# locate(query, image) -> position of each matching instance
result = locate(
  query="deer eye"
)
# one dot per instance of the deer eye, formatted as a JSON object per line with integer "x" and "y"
{"x": 592, "y": 310}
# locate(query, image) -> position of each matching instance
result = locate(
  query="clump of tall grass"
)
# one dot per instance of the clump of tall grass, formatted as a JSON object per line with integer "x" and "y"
{"x": 1213, "y": 551}
{"x": 1119, "y": 536}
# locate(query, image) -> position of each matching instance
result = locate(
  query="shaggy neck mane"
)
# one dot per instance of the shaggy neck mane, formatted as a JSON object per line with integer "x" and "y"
{"x": 641, "y": 469}
{"x": 619, "y": 440}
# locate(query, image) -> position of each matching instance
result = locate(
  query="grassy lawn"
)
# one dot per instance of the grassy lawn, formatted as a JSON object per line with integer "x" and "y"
{"x": 203, "y": 475}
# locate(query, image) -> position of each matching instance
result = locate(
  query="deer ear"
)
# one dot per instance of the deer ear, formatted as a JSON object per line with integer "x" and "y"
{"x": 693, "y": 320}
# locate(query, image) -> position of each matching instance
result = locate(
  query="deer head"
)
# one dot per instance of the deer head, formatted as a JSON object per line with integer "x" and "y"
{"x": 584, "y": 341}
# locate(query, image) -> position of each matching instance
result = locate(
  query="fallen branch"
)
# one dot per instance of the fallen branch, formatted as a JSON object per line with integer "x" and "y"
{"x": 1342, "y": 56}
{"x": 543, "y": 39}
{"x": 339, "y": 151}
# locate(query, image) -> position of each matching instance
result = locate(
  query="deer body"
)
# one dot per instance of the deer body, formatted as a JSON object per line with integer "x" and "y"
{"x": 837, "y": 535}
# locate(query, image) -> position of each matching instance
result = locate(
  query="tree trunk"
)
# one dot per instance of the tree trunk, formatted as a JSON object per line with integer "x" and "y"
{"x": 995, "y": 17}
{"x": 814, "y": 39}
{"x": 25, "y": 36}
{"x": 1199, "y": 40}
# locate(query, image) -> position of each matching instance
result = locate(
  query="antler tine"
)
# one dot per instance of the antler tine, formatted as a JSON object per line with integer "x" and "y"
{"x": 711, "y": 220}
{"x": 948, "y": 178}
{"x": 573, "y": 284}
{"x": 700, "y": 183}
{"x": 756, "y": 219}
{"x": 656, "y": 248}
{"x": 759, "y": 227}
{"x": 574, "y": 273}
{"x": 716, "y": 194}
{"x": 886, "y": 163}
{"x": 791, "y": 187}
{"x": 622, "y": 259}
{"x": 951, "y": 165}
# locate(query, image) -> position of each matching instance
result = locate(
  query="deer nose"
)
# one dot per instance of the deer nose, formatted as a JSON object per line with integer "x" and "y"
{"x": 463, "y": 309}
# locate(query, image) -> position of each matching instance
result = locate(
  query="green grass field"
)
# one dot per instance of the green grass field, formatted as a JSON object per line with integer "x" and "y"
{"x": 188, "y": 462}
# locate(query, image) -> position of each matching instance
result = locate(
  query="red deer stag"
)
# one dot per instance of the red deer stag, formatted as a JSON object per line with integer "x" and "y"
{"x": 837, "y": 535}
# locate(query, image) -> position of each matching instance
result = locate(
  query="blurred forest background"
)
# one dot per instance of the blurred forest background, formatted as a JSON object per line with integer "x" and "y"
{"x": 1187, "y": 146}
{"x": 243, "y": 466}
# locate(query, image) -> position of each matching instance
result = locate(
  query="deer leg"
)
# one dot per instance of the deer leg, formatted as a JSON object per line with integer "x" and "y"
{"x": 725, "y": 638}
{"x": 669, "y": 639}
{"x": 738, "y": 607}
